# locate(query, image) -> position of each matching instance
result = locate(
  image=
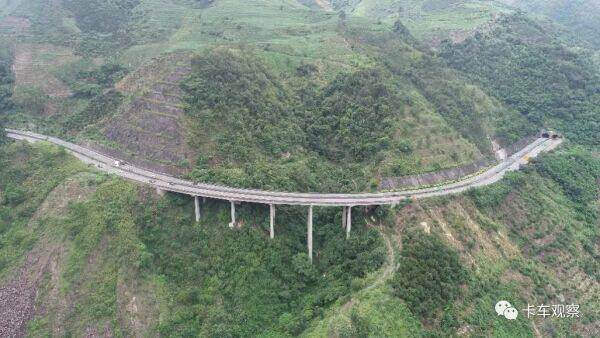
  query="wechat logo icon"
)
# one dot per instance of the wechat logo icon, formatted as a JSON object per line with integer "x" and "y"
{"x": 503, "y": 308}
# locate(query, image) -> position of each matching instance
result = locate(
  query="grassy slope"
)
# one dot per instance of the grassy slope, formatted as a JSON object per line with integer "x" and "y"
{"x": 530, "y": 239}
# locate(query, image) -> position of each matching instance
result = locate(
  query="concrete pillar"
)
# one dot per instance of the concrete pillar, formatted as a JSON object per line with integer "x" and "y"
{"x": 232, "y": 224}
{"x": 160, "y": 192}
{"x": 272, "y": 220}
{"x": 348, "y": 222}
{"x": 309, "y": 237}
{"x": 197, "y": 207}
{"x": 344, "y": 217}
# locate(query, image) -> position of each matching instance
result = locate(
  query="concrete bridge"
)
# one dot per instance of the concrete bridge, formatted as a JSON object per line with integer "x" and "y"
{"x": 164, "y": 182}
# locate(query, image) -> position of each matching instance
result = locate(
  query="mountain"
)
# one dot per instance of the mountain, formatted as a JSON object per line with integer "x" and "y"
{"x": 581, "y": 17}
{"x": 306, "y": 95}
{"x": 118, "y": 88}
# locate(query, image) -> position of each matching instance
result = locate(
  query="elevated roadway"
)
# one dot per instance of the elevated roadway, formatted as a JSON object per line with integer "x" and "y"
{"x": 163, "y": 182}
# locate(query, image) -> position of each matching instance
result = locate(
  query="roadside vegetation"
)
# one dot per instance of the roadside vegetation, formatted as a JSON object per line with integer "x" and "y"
{"x": 533, "y": 242}
{"x": 298, "y": 96}
{"x": 204, "y": 279}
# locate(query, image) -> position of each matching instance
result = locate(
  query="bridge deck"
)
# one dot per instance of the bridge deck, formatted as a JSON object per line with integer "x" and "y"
{"x": 169, "y": 183}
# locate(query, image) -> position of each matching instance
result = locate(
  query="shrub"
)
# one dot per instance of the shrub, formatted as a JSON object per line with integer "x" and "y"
{"x": 430, "y": 275}
{"x": 31, "y": 99}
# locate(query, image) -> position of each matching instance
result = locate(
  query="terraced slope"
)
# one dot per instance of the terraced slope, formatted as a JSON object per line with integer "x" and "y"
{"x": 149, "y": 128}
{"x": 33, "y": 65}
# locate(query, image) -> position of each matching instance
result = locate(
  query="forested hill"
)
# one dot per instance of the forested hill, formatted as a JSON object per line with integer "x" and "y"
{"x": 297, "y": 95}
{"x": 529, "y": 69}
{"x": 307, "y": 95}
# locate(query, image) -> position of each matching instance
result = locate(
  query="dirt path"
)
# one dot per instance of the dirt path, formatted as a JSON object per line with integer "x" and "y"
{"x": 390, "y": 263}
{"x": 384, "y": 273}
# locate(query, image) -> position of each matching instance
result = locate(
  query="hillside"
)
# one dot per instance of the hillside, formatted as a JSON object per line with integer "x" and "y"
{"x": 298, "y": 95}
{"x": 581, "y": 17}
{"x": 83, "y": 253}
{"x": 533, "y": 238}
{"x": 118, "y": 89}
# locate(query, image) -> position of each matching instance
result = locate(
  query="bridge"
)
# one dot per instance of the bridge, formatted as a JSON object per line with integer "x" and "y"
{"x": 163, "y": 182}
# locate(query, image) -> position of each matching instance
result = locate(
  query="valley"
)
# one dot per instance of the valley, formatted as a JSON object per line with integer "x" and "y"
{"x": 400, "y": 125}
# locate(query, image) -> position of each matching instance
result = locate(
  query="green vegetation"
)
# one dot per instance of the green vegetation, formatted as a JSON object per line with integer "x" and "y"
{"x": 27, "y": 175}
{"x": 533, "y": 240}
{"x": 205, "y": 279}
{"x": 32, "y": 100}
{"x": 240, "y": 97}
{"x": 6, "y": 80}
{"x": 527, "y": 68}
{"x": 253, "y": 129}
{"x": 355, "y": 117}
{"x": 490, "y": 196}
{"x": 100, "y": 106}
{"x": 101, "y": 16}
{"x": 581, "y": 17}
{"x": 88, "y": 81}
{"x": 577, "y": 174}
{"x": 301, "y": 96}
{"x": 430, "y": 277}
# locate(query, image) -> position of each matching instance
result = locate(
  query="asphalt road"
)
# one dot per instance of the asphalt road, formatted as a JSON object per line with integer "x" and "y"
{"x": 169, "y": 183}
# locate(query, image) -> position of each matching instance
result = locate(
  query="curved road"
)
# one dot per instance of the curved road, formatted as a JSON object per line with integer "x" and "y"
{"x": 169, "y": 183}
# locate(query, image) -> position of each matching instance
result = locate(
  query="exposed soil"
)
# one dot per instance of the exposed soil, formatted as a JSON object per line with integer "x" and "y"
{"x": 149, "y": 128}
{"x": 324, "y": 5}
{"x": 18, "y": 297}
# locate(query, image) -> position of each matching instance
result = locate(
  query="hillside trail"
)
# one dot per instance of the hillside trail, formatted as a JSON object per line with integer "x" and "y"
{"x": 384, "y": 273}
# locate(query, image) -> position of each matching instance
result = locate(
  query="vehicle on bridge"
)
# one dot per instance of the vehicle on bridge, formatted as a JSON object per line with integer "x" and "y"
{"x": 551, "y": 134}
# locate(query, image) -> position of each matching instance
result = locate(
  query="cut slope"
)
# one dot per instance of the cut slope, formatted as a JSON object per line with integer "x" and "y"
{"x": 149, "y": 128}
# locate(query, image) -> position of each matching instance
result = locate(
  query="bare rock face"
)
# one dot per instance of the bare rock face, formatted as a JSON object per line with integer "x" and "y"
{"x": 149, "y": 129}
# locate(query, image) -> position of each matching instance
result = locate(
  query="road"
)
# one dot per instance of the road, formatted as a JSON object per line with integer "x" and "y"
{"x": 173, "y": 184}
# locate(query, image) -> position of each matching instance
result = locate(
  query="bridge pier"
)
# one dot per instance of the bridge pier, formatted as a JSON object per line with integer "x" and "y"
{"x": 309, "y": 234}
{"x": 232, "y": 224}
{"x": 348, "y": 221}
{"x": 197, "y": 208}
{"x": 272, "y": 220}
